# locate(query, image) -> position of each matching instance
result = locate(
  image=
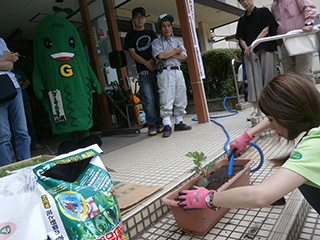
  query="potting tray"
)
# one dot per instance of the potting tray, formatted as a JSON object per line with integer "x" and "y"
{"x": 199, "y": 222}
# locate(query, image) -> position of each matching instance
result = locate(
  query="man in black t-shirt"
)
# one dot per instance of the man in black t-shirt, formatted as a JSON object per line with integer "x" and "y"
{"x": 254, "y": 24}
{"x": 138, "y": 44}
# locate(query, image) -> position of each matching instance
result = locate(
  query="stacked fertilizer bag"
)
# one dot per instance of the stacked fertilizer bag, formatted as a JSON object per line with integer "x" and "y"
{"x": 68, "y": 197}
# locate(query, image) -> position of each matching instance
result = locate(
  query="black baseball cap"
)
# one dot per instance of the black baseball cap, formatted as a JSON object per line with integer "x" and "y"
{"x": 138, "y": 10}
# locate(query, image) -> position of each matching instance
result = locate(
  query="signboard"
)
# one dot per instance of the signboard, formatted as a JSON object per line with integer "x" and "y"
{"x": 191, "y": 17}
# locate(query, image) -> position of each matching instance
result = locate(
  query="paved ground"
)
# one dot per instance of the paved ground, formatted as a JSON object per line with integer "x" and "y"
{"x": 131, "y": 155}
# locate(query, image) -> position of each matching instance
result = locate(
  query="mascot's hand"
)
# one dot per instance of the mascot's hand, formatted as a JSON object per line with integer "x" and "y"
{"x": 97, "y": 88}
{"x": 95, "y": 84}
{"x": 40, "y": 95}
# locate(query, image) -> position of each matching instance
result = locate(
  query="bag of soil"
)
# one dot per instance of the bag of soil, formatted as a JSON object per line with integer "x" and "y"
{"x": 20, "y": 210}
{"x": 77, "y": 197}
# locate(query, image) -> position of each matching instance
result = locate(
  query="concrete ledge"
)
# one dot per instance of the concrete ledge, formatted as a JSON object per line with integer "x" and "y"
{"x": 216, "y": 105}
{"x": 243, "y": 105}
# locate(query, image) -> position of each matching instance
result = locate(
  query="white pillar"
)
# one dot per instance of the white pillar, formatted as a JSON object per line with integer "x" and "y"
{"x": 204, "y": 35}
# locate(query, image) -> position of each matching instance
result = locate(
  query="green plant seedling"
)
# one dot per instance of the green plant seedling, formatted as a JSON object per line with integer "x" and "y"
{"x": 198, "y": 160}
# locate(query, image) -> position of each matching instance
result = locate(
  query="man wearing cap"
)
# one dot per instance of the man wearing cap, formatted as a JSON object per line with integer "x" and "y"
{"x": 168, "y": 51}
{"x": 138, "y": 43}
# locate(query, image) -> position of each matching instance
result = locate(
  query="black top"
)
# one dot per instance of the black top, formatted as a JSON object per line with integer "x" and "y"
{"x": 141, "y": 42}
{"x": 249, "y": 27}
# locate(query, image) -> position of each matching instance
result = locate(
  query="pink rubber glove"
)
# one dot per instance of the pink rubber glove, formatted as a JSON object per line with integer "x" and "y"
{"x": 195, "y": 198}
{"x": 241, "y": 142}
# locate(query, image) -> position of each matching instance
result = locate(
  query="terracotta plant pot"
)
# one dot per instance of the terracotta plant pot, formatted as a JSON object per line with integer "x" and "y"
{"x": 199, "y": 222}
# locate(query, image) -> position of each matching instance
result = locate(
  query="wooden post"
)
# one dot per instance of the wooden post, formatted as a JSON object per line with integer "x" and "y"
{"x": 114, "y": 36}
{"x": 103, "y": 107}
{"x": 196, "y": 82}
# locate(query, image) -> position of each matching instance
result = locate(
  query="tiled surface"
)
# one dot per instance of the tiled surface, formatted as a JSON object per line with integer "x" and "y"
{"x": 311, "y": 228}
{"x": 160, "y": 161}
{"x": 237, "y": 223}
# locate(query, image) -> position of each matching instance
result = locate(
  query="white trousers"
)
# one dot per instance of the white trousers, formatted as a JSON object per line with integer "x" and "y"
{"x": 301, "y": 64}
{"x": 172, "y": 93}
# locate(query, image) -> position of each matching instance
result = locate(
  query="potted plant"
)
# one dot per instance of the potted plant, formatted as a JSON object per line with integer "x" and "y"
{"x": 199, "y": 222}
{"x": 203, "y": 171}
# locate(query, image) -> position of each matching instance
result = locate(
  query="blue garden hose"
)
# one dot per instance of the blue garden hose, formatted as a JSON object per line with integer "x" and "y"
{"x": 252, "y": 170}
{"x": 261, "y": 156}
{"x": 228, "y": 140}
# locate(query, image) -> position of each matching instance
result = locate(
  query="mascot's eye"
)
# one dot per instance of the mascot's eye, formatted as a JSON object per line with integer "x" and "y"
{"x": 71, "y": 42}
{"x": 47, "y": 43}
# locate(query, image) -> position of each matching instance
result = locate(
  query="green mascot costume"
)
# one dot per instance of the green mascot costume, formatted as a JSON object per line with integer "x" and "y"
{"x": 63, "y": 80}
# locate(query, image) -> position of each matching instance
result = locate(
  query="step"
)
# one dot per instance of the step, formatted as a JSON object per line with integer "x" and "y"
{"x": 291, "y": 220}
{"x": 278, "y": 222}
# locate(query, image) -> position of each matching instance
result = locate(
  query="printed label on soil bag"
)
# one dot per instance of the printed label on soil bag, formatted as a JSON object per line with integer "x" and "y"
{"x": 80, "y": 188}
{"x": 7, "y": 229}
{"x": 69, "y": 203}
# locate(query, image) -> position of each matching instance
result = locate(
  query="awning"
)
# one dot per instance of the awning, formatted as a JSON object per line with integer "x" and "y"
{"x": 213, "y": 12}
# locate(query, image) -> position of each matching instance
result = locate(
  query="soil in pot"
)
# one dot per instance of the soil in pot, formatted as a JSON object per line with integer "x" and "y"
{"x": 220, "y": 176}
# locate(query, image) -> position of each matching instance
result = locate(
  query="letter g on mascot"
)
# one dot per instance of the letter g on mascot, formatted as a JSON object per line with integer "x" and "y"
{"x": 63, "y": 80}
